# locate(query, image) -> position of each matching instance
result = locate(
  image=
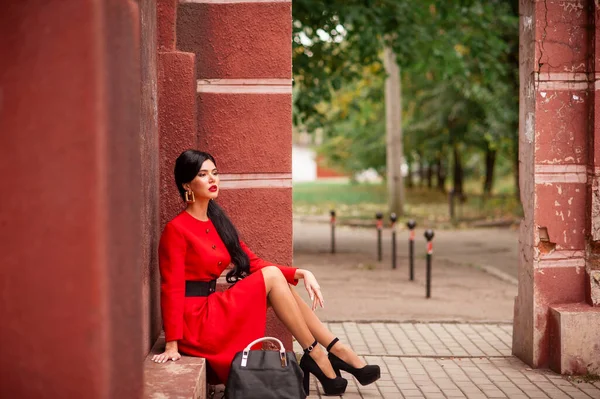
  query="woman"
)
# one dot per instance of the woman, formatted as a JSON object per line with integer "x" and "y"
{"x": 195, "y": 247}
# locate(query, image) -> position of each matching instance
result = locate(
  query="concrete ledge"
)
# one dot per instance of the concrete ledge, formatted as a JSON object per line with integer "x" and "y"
{"x": 575, "y": 339}
{"x": 183, "y": 379}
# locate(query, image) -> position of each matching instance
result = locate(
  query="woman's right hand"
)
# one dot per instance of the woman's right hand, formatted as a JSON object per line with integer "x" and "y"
{"x": 170, "y": 353}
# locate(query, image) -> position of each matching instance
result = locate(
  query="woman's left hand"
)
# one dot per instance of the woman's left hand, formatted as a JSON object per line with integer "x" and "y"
{"x": 313, "y": 289}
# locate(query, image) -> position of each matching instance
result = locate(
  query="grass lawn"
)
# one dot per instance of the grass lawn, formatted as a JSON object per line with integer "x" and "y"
{"x": 428, "y": 207}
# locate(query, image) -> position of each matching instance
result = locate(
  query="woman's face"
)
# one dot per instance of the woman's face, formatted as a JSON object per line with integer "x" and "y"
{"x": 206, "y": 184}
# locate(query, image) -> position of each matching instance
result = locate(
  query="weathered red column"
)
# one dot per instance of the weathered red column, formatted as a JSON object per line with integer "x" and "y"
{"x": 557, "y": 175}
{"x": 593, "y": 192}
{"x": 176, "y": 107}
{"x": 150, "y": 222}
{"x": 70, "y": 203}
{"x": 244, "y": 100}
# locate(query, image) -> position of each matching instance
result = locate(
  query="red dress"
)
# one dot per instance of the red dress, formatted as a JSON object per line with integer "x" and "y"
{"x": 220, "y": 325}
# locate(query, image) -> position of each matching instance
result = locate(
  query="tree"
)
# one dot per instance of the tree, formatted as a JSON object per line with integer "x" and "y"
{"x": 458, "y": 72}
{"x": 393, "y": 120}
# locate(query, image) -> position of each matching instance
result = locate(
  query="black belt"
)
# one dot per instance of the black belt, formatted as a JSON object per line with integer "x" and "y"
{"x": 200, "y": 288}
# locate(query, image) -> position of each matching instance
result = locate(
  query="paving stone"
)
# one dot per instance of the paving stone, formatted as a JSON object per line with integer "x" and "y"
{"x": 384, "y": 383}
{"x": 352, "y": 395}
{"x": 453, "y": 393}
{"x": 594, "y": 393}
{"x": 412, "y": 393}
{"x": 446, "y": 360}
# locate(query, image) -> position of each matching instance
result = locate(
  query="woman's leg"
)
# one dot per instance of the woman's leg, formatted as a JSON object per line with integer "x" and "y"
{"x": 287, "y": 310}
{"x": 324, "y": 336}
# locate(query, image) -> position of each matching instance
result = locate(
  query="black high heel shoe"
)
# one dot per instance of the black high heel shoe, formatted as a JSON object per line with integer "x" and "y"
{"x": 366, "y": 375}
{"x": 331, "y": 386}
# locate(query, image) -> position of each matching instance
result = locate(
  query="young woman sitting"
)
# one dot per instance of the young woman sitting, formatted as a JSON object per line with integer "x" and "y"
{"x": 195, "y": 248}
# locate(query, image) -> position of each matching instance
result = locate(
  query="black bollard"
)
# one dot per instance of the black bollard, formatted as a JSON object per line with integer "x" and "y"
{"x": 411, "y": 224}
{"x": 429, "y": 236}
{"x": 379, "y": 217}
{"x": 332, "y": 212}
{"x": 393, "y": 219}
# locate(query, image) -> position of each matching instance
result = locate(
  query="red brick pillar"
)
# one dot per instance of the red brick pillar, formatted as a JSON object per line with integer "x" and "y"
{"x": 70, "y": 303}
{"x": 593, "y": 253}
{"x": 244, "y": 100}
{"x": 176, "y": 107}
{"x": 556, "y": 105}
{"x": 176, "y": 110}
{"x": 150, "y": 223}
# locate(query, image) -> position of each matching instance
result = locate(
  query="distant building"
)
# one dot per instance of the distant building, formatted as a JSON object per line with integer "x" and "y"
{"x": 304, "y": 166}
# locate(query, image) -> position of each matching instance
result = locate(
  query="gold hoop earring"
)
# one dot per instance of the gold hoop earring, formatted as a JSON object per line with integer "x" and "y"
{"x": 189, "y": 197}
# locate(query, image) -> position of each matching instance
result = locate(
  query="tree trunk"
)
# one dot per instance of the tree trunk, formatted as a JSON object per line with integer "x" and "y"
{"x": 490, "y": 163}
{"x": 457, "y": 175}
{"x": 421, "y": 170}
{"x": 516, "y": 163}
{"x": 441, "y": 175}
{"x": 393, "y": 116}
{"x": 409, "y": 176}
{"x": 429, "y": 175}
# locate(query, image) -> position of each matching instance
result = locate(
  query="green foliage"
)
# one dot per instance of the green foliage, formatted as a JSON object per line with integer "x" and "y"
{"x": 459, "y": 66}
{"x": 334, "y": 40}
{"x": 355, "y": 125}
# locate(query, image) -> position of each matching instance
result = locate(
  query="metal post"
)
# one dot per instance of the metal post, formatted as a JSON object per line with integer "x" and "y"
{"x": 429, "y": 236}
{"x": 379, "y": 217}
{"x": 332, "y": 212}
{"x": 411, "y": 224}
{"x": 393, "y": 219}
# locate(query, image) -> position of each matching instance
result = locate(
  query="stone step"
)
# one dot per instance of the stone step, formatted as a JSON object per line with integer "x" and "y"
{"x": 183, "y": 379}
{"x": 575, "y": 339}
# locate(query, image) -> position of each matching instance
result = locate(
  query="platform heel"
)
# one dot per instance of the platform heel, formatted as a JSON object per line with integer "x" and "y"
{"x": 365, "y": 375}
{"x": 331, "y": 386}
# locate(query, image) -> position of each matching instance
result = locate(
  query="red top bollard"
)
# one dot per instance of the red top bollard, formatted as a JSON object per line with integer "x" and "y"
{"x": 393, "y": 219}
{"x": 429, "y": 236}
{"x": 332, "y": 217}
{"x": 411, "y": 224}
{"x": 379, "y": 217}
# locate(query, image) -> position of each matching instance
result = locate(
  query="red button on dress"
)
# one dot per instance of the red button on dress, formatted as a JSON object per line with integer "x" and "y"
{"x": 220, "y": 325}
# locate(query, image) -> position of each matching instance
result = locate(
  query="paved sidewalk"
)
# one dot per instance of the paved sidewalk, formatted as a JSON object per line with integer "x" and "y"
{"x": 447, "y": 360}
{"x": 358, "y": 288}
{"x": 492, "y": 249}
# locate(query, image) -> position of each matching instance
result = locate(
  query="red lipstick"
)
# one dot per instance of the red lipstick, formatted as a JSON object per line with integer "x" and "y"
{"x": 213, "y": 188}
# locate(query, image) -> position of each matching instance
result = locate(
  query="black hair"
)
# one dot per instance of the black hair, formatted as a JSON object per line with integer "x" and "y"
{"x": 187, "y": 166}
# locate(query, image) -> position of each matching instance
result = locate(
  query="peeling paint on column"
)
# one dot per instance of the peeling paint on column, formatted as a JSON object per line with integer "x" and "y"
{"x": 563, "y": 212}
{"x": 596, "y": 208}
{"x": 595, "y": 287}
{"x": 529, "y": 127}
{"x": 529, "y": 90}
{"x": 561, "y": 134}
{"x": 573, "y": 7}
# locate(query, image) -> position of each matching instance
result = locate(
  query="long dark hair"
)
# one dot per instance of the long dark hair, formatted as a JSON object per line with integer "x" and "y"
{"x": 187, "y": 166}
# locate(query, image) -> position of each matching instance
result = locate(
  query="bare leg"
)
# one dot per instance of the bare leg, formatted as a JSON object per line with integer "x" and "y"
{"x": 324, "y": 336}
{"x": 287, "y": 310}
